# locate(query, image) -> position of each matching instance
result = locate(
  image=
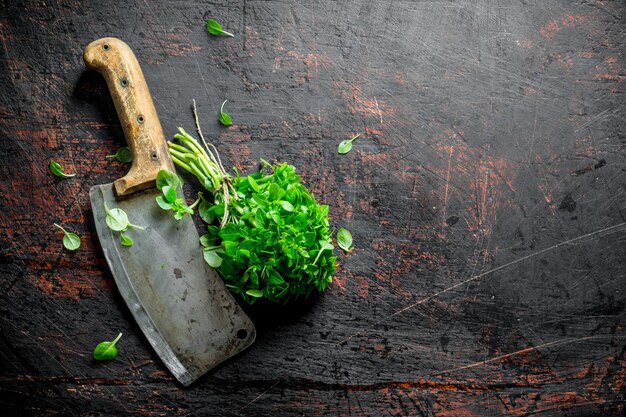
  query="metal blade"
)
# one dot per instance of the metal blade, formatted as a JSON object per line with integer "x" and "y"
{"x": 180, "y": 303}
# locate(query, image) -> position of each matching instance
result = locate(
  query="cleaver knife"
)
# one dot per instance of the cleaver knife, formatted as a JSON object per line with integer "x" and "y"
{"x": 181, "y": 304}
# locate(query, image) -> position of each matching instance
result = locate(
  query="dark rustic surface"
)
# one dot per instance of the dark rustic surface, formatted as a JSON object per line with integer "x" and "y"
{"x": 486, "y": 198}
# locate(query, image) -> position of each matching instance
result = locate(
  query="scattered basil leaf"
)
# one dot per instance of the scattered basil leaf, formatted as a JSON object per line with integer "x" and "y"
{"x": 123, "y": 154}
{"x": 71, "y": 241}
{"x": 344, "y": 239}
{"x": 57, "y": 170}
{"x": 346, "y": 145}
{"x": 215, "y": 28}
{"x": 116, "y": 219}
{"x": 106, "y": 350}
{"x": 125, "y": 240}
{"x": 224, "y": 118}
{"x": 162, "y": 265}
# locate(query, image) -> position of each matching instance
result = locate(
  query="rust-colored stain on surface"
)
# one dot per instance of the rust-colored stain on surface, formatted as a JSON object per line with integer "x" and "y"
{"x": 549, "y": 29}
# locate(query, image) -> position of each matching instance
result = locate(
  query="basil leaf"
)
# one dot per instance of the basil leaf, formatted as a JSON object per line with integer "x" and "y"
{"x": 286, "y": 205}
{"x": 123, "y": 154}
{"x": 224, "y": 118}
{"x": 170, "y": 194}
{"x": 212, "y": 258}
{"x": 346, "y": 145}
{"x": 106, "y": 350}
{"x": 215, "y": 28}
{"x": 162, "y": 202}
{"x": 116, "y": 219}
{"x": 71, "y": 241}
{"x": 125, "y": 240}
{"x": 165, "y": 177}
{"x": 344, "y": 239}
{"x": 204, "y": 215}
{"x": 255, "y": 293}
{"x": 57, "y": 170}
{"x": 208, "y": 240}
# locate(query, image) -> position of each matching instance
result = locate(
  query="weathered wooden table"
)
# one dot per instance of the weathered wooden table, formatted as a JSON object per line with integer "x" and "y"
{"x": 486, "y": 199}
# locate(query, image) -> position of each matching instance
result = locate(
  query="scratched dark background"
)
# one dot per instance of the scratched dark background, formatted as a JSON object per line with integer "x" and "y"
{"x": 486, "y": 199}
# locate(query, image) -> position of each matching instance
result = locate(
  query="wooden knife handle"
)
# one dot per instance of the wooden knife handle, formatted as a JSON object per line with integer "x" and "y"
{"x": 117, "y": 63}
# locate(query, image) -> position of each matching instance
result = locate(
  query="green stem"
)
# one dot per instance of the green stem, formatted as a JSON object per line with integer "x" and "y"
{"x": 180, "y": 163}
{"x": 116, "y": 339}
{"x": 195, "y": 170}
{"x": 191, "y": 143}
{"x": 184, "y": 156}
{"x": 195, "y": 202}
{"x": 177, "y": 147}
{"x": 64, "y": 231}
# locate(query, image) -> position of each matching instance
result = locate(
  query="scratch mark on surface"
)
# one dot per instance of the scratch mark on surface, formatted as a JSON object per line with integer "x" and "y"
{"x": 379, "y": 112}
{"x": 258, "y": 397}
{"x": 522, "y": 351}
{"x": 445, "y": 194}
{"x": 573, "y": 241}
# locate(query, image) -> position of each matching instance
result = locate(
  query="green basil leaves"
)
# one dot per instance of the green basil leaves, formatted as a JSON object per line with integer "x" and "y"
{"x": 57, "y": 170}
{"x": 71, "y": 241}
{"x": 215, "y": 28}
{"x": 105, "y": 351}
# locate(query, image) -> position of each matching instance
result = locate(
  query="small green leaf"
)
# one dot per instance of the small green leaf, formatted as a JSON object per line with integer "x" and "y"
{"x": 170, "y": 193}
{"x": 207, "y": 240}
{"x": 255, "y": 293}
{"x": 229, "y": 233}
{"x": 163, "y": 203}
{"x": 57, "y": 170}
{"x": 275, "y": 192}
{"x": 71, "y": 241}
{"x": 123, "y": 154}
{"x": 106, "y": 350}
{"x": 116, "y": 219}
{"x": 323, "y": 246}
{"x": 346, "y": 145}
{"x": 286, "y": 205}
{"x": 202, "y": 209}
{"x": 125, "y": 240}
{"x": 212, "y": 258}
{"x": 253, "y": 184}
{"x": 344, "y": 239}
{"x": 162, "y": 265}
{"x": 224, "y": 118}
{"x": 215, "y": 28}
{"x": 165, "y": 177}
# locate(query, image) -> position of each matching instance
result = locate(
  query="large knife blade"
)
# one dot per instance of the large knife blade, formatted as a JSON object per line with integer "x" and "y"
{"x": 179, "y": 302}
